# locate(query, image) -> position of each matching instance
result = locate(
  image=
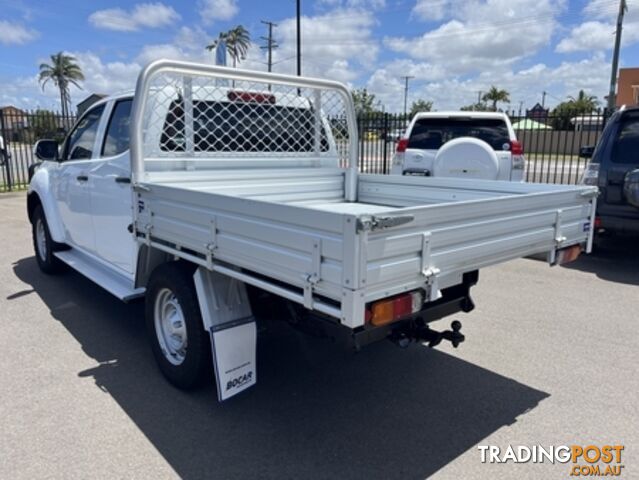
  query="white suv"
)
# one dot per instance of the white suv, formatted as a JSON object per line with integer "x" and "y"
{"x": 478, "y": 145}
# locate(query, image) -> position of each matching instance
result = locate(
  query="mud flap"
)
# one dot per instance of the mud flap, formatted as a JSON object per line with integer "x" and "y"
{"x": 227, "y": 316}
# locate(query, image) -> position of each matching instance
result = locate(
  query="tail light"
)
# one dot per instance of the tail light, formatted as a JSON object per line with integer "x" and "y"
{"x": 392, "y": 309}
{"x": 252, "y": 97}
{"x": 516, "y": 148}
{"x": 402, "y": 145}
{"x": 591, "y": 174}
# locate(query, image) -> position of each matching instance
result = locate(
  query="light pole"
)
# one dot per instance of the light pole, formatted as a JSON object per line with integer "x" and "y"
{"x": 406, "y": 79}
{"x": 615, "y": 56}
{"x": 299, "y": 38}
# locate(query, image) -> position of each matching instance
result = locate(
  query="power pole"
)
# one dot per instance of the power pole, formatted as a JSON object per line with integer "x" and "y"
{"x": 299, "y": 38}
{"x": 270, "y": 43}
{"x": 543, "y": 99}
{"x": 615, "y": 56}
{"x": 479, "y": 92}
{"x": 406, "y": 79}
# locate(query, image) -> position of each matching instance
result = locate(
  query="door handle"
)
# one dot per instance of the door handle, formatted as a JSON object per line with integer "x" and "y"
{"x": 82, "y": 178}
{"x": 122, "y": 180}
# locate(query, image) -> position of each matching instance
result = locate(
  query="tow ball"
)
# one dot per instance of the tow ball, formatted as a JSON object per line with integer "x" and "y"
{"x": 434, "y": 338}
{"x": 427, "y": 335}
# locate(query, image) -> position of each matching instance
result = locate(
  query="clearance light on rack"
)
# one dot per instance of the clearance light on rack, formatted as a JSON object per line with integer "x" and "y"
{"x": 250, "y": 97}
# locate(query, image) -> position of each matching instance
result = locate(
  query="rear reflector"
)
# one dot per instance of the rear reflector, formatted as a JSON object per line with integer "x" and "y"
{"x": 402, "y": 145}
{"x": 392, "y": 309}
{"x": 253, "y": 97}
{"x": 597, "y": 222}
{"x": 516, "y": 148}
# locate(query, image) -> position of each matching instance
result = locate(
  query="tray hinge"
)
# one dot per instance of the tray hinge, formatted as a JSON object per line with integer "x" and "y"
{"x": 559, "y": 238}
{"x": 430, "y": 272}
{"x": 212, "y": 245}
{"x": 315, "y": 276}
{"x": 147, "y": 234}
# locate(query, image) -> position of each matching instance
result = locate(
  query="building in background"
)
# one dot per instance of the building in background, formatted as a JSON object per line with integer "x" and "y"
{"x": 538, "y": 113}
{"x": 13, "y": 118}
{"x": 628, "y": 87}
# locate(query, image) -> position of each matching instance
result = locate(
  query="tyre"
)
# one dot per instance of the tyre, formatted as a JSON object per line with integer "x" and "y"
{"x": 43, "y": 245}
{"x": 178, "y": 340}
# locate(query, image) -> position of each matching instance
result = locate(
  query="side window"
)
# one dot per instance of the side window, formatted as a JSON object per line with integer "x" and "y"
{"x": 79, "y": 145}
{"x": 626, "y": 148}
{"x": 116, "y": 140}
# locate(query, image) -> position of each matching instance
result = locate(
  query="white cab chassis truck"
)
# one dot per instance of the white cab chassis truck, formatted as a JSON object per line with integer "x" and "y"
{"x": 218, "y": 193}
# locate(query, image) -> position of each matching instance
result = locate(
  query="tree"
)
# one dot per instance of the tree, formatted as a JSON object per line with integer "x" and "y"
{"x": 364, "y": 101}
{"x": 63, "y": 72}
{"x": 420, "y": 106}
{"x": 584, "y": 103}
{"x": 475, "y": 107}
{"x": 495, "y": 95}
{"x": 237, "y": 41}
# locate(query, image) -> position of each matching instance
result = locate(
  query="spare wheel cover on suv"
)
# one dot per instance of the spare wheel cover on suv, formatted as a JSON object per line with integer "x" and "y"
{"x": 466, "y": 157}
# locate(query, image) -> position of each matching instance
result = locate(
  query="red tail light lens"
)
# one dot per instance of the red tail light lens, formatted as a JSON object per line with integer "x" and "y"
{"x": 597, "y": 222}
{"x": 402, "y": 145}
{"x": 253, "y": 97}
{"x": 516, "y": 147}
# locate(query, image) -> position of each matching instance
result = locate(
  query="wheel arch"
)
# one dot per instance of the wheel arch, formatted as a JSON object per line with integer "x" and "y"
{"x": 40, "y": 194}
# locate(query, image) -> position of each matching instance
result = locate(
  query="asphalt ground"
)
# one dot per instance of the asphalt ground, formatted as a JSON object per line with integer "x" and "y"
{"x": 550, "y": 358}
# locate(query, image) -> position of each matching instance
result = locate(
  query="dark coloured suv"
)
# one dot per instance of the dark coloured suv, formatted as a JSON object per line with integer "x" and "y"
{"x": 614, "y": 168}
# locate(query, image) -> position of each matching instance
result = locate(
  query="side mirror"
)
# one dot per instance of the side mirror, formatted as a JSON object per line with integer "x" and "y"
{"x": 46, "y": 150}
{"x": 586, "y": 152}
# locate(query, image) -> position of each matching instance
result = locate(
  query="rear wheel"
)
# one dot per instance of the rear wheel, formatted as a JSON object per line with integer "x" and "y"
{"x": 43, "y": 245}
{"x": 179, "y": 342}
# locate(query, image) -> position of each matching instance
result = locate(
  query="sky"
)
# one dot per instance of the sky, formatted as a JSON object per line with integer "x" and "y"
{"x": 454, "y": 49}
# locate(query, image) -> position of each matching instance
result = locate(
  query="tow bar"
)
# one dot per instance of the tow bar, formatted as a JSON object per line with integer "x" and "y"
{"x": 427, "y": 335}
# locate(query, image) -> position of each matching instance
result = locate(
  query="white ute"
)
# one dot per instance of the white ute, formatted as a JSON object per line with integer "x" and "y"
{"x": 209, "y": 180}
{"x": 480, "y": 145}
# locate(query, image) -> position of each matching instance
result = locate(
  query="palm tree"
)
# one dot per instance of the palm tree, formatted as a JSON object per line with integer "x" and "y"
{"x": 63, "y": 71}
{"x": 496, "y": 95}
{"x": 584, "y": 103}
{"x": 237, "y": 41}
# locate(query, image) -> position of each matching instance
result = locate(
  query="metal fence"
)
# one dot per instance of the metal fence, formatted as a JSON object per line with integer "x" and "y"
{"x": 20, "y": 129}
{"x": 551, "y": 141}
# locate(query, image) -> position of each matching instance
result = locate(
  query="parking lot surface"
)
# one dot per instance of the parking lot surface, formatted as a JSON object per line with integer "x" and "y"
{"x": 550, "y": 358}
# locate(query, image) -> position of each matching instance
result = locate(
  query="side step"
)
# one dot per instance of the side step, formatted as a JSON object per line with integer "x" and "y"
{"x": 113, "y": 282}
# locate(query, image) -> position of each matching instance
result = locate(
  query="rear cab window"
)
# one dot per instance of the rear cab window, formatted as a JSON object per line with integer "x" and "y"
{"x": 432, "y": 133}
{"x": 239, "y": 126}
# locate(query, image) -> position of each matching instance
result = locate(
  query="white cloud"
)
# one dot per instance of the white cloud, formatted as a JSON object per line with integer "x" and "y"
{"x": 337, "y": 44}
{"x": 586, "y": 37}
{"x": 211, "y": 10}
{"x": 151, "y": 15}
{"x": 104, "y": 77}
{"x": 15, "y": 34}
{"x": 525, "y": 85}
{"x": 484, "y": 35}
{"x": 431, "y": 10}
{"x": 375, "y": 4}
{"x": 597, "y": 32}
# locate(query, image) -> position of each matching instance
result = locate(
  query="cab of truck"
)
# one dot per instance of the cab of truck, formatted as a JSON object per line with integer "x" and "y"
{"x": 614, "y": 167}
